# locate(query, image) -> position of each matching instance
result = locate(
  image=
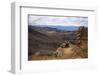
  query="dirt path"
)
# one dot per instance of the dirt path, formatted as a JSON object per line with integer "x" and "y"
{"x": 68, "y": 53}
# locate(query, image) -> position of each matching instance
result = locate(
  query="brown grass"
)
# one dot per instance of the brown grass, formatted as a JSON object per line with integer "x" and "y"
{"x": 70, "y": 53}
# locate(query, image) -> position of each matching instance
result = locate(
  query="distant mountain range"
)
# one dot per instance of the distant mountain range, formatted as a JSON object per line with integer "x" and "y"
{"x": 66, "y": 28}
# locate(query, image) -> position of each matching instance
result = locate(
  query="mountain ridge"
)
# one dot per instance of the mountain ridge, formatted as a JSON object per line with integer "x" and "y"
{"x": 55, "y": 27}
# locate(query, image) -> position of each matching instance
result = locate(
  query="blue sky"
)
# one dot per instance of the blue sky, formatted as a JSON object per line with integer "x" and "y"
{"x": 59, "y": 21}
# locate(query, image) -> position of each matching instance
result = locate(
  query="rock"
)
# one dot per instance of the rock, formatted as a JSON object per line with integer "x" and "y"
{"x": 37, "y": 53}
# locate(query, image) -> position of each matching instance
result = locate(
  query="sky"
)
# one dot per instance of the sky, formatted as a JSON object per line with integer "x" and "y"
{"x": 59, "y": 21}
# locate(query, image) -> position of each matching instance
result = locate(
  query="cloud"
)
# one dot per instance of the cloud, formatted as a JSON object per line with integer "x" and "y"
{"x": 52, "y": 20}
